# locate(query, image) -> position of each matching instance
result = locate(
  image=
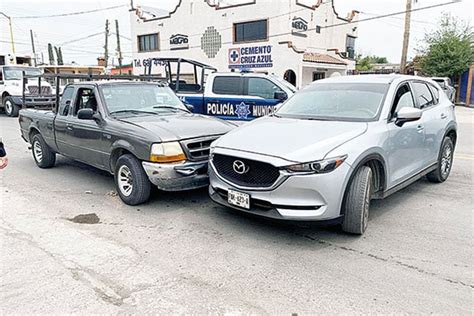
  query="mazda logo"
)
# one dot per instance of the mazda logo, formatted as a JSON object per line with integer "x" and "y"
{"x": 240, "y": 167}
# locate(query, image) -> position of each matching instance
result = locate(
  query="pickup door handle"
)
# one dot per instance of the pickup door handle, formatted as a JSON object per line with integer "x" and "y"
{"x": 69, "y": 127}
{"x": 420, "y": 128}
{"x": 443, "y": 116}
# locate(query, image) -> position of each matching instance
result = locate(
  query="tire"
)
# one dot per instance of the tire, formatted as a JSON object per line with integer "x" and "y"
{"x": 357, "y": 202}
{"x": 131, "y": 181}
{"x": 10, "y": 108}
{"x": 43, "y": 155}
{"x": 445, "y": 162}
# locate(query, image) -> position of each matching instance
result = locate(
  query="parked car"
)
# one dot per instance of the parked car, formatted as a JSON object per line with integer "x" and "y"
{"x": 140, "y": 132}
{"x": 447, "y": 87}
{"x": 11, "y": 89}
{"x": 333, "y": 147}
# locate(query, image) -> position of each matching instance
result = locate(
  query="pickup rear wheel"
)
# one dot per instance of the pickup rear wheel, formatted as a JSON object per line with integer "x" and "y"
{"x": 131, "y": 180}
{"x": 11, "y": 109}
{"x": 43, "y": 155}
{"x": 357, "y": 202}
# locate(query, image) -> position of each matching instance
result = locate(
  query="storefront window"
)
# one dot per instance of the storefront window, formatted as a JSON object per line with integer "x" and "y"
{"x": 148, "y": 42}
{"x": 251, "y": 31}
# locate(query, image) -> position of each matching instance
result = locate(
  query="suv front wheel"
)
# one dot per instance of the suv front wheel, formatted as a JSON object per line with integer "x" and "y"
{"x": 357, "y": 202}
{"x": 131, "y": 180}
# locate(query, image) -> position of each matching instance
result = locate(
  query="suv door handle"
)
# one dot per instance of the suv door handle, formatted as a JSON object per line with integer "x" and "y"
{"x": 443, "y": 116}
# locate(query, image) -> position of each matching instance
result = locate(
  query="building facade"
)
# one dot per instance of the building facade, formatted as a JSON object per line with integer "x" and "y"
{"x": 300, "y": 42}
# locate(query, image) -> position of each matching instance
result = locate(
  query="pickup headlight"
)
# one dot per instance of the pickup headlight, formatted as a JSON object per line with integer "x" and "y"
{"x": 167, "y": 153}
{"x": 320, "y": 166}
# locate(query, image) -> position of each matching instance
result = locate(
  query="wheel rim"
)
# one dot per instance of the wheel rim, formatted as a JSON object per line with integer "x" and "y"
{"x": 8, "y": 107}
{"x": 125, "y": 180}
{"x": 37, "y": 151}
{"x": 446, "y": 160}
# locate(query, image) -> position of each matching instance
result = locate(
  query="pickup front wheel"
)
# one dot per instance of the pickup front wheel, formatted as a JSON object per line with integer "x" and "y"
{"x": 131, "y": 180}
{"x": 43, "y": 155}
{"x": 11, "y": 109}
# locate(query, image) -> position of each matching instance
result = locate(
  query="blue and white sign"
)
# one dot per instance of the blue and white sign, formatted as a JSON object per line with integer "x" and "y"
{"x": 251, "y": 57}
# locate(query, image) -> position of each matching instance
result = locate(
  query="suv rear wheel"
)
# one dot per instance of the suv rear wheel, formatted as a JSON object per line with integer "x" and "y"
{"x": 445, "y": 162}
{"x": 357, "y": 202}
{"x": 131, "y": 180}
{"x": 11, "y": 109}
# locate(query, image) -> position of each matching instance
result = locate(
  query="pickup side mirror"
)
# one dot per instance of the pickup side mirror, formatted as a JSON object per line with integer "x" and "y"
{"x": 189, "y": 106}
{"x": 87, "y": 114}
{"x": 280, "y": 95}
{"x": 407, "y": 114}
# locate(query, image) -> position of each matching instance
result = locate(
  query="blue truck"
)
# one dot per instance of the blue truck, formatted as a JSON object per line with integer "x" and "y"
{"x": 238, "y": 96}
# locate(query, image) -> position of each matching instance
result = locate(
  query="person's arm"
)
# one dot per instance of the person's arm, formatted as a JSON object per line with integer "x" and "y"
{"x": 3, "y": 152}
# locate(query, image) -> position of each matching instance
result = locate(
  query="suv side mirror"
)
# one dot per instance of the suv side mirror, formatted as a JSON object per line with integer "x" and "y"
{"x": 280, "y": 95}
{"x": 407, "y": 114}
{"x": 86, "y": 114}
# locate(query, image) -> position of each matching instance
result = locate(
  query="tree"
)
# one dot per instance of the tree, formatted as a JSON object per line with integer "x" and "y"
{"x": 448, "y": 50}
{"x": 366, "y": 63}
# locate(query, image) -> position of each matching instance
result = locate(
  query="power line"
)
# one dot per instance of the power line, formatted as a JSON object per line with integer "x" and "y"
{"x": 81, "y": 39}
{"x": 392, "y": 14}
{"x": 69, "y": 14}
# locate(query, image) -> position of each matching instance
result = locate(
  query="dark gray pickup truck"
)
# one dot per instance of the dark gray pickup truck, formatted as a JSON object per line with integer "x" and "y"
{"x": 141, "y": 132}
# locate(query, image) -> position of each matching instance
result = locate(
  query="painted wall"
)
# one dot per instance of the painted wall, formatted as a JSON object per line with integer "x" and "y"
{"x": 194, "y": 17}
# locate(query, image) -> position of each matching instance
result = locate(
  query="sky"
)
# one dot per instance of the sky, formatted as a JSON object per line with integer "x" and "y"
{"x": 381, "y": 37}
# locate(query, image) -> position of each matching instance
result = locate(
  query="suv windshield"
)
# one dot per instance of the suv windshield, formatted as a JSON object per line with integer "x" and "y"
{"x": 16, "y": 73}
{"x": 336, "y": 101}
{"x": 141, "y": 98}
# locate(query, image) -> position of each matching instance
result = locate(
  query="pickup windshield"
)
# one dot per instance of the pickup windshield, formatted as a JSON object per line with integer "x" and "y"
{"x": 16, "y": 73}
{"x": 336, "y": 101}
{"x": 141, "y": 98}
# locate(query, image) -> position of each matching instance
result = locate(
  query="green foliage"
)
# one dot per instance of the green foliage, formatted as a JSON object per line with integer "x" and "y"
{"x": 448, "y": 50}
{"x": 366, "y": 63}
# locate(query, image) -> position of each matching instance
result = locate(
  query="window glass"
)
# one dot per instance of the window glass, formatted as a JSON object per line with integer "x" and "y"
{"x": 148, "y": 42}
{"x": 350, "y": 46}
{"x": 227, "y": 85}
{"x": 261, "y": 87}
{"x": 403, "y": 99}
{"x": 85, "y": 100}
{"x": 141, "y": 97}
{"x": 65, "y": 103}
{"x": 336, "y": 101}
{"x": 435, "y": 93}
{"x": 423, "y": 95}
{"x": 251, "y": 31}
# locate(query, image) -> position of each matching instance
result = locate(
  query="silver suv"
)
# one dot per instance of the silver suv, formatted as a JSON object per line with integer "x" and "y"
{"x": 333, "y": 147}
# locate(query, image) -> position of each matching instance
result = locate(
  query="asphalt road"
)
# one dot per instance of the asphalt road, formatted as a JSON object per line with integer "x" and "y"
{"x": 180, "y": 253}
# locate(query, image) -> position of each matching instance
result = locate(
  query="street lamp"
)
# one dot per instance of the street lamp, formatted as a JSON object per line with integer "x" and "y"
{"x": 11, "y": 32}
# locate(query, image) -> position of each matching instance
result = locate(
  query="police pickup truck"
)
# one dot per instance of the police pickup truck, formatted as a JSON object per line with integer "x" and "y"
{"x": 238, "y": 96}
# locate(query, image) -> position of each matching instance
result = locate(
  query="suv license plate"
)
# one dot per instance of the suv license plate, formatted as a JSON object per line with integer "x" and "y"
{"x": 238, "y": 199}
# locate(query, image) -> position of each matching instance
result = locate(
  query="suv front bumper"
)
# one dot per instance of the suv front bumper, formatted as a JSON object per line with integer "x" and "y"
{"x": 315, "y": 197}
{"x": 177, "y": 177}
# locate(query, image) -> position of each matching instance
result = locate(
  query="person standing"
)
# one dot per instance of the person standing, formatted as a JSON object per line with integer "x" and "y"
{"x": 3, "y": 155}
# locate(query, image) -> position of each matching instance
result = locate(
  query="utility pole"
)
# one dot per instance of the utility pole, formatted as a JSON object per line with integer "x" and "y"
{"x": 406, "y": 38}
{"x": 106, "y": 46}
{"x": 119, "y": 51}
{"x": 11, "y": 36}
{"x": 33, "y": 47}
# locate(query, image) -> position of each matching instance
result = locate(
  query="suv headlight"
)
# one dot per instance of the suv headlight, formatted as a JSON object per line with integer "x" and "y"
{"x": 167, "y": 152}
{"x": 320, "y": 166}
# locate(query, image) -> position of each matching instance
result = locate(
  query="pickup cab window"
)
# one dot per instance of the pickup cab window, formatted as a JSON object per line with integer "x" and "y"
{"x": 261, "y": 87}
{"x": 227, "y": 85}
{"x": 65, "y": 103}
{"x": 85, "y": 100}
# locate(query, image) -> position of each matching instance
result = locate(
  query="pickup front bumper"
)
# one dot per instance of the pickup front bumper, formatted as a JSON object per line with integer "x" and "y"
{"x": 177, "y": 177}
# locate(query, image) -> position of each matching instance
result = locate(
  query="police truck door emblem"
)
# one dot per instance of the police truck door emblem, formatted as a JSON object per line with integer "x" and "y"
{"x": 179, "y": 41}
{"x": 240, "y": 167}
{"x": 242, "y": 110}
